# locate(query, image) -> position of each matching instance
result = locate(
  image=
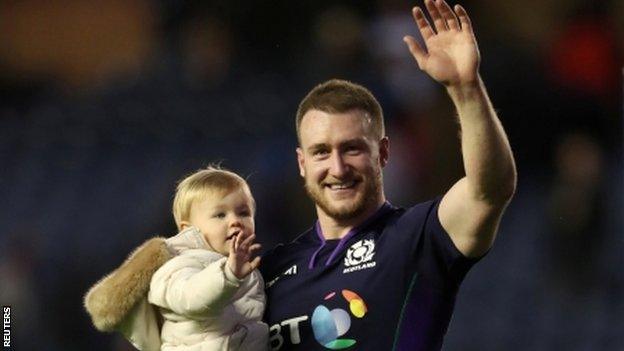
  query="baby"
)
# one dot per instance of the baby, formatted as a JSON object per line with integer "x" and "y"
{"x": 210, "y": 295}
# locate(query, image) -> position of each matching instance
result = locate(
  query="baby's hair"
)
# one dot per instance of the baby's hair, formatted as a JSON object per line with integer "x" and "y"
{"x": 212, "y": 180}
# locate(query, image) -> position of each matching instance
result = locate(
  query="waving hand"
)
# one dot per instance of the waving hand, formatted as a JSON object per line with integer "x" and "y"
{"x": 450, "y": 55}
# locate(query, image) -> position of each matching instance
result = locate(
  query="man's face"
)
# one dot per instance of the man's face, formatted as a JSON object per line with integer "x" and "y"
{"x": 341, "y": 160}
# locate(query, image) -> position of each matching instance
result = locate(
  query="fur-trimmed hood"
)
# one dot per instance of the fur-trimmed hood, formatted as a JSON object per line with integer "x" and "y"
{"x": 110, "y": 300}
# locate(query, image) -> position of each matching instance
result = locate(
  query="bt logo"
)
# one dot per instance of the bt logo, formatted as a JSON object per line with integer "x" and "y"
{"x": 328, "y": 325}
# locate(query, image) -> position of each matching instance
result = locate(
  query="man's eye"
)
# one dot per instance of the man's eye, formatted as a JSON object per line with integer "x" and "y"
{"x": 320, "y": 152}
{"x": 353, "y": 150}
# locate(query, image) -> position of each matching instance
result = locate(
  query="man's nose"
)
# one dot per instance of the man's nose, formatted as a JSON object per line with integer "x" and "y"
{"x": 338, "y": 168}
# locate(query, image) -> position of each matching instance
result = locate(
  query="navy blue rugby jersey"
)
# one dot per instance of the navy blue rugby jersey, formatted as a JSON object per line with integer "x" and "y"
{"x": 389, "y": 284}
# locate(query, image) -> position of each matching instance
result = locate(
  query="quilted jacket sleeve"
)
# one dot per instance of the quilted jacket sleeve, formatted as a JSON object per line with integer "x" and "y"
{"x": 188, "y": 287}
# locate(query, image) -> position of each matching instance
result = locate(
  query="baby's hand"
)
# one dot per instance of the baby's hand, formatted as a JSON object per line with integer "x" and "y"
{"x": 240, "y": 259}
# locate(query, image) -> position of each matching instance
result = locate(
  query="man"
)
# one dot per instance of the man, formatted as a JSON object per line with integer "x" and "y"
{"x": 369, "y": 276}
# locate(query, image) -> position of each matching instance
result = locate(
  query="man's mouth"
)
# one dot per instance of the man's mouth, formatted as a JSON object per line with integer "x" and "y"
{"x": 342, "y": 185}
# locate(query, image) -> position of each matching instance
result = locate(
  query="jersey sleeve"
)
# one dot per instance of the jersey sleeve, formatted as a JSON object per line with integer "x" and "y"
{"x": 440, "y": 258}
{"x": 436, "y": 257}
{"x": 187, "y": 287}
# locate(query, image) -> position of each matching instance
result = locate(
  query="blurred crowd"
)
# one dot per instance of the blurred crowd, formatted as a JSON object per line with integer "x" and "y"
{"x": 105, "y": 105}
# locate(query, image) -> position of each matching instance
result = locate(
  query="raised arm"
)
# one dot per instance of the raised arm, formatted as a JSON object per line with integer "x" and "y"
{"x": 471, "y": 210}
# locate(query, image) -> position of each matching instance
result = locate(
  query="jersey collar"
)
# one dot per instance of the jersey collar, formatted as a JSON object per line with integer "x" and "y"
{"x": 385, "y": 208}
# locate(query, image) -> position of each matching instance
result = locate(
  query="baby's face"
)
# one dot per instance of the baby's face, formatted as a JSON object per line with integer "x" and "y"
{"x": 220, "y": 217}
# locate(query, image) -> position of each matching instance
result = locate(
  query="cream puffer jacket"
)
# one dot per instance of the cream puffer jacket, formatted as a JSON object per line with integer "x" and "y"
{"x": 205, "y": 307}
{"x": 118, "y": 302}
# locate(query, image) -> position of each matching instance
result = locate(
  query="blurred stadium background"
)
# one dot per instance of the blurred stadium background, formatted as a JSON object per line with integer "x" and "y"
{"x": 105, "y": 104}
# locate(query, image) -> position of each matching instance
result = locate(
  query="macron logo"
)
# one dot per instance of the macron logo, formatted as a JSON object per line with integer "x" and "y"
{"x": 290, "y": 271}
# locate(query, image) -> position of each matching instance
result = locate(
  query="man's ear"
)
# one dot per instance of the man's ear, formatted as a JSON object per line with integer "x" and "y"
{"x": 384, "y": 151}
{"x": 301, "y": 162}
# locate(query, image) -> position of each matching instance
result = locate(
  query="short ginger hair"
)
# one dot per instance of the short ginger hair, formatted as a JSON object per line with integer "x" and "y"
{"x": 340, "y": 96}
{"x": 212, "y": 180}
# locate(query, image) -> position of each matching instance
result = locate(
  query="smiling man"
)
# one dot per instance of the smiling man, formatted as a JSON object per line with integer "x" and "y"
{"x": 339, "y": 156}
{"x": 368, "y": 275}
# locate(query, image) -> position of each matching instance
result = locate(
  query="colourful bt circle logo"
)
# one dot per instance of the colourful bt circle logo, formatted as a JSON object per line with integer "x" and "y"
{"x": 329, "y": 325}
